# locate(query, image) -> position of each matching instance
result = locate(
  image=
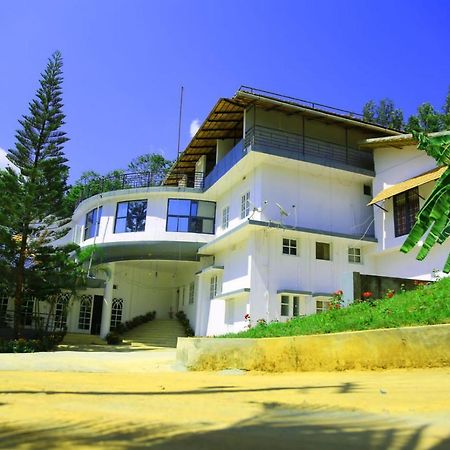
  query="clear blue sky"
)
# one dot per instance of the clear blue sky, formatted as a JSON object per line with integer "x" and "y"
{"x": 125, "y": 60}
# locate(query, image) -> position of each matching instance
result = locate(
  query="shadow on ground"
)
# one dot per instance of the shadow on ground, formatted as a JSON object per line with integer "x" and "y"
{"x": 278, "y": 426}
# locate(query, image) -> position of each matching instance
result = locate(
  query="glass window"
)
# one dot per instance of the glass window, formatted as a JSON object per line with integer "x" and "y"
{"x": 296, "y": 306}
{"x": 289, "y": 246}
{"x": 406, "y": 207}
{"x": 84, "y": 319}
{"x": 354, "y": 255}
{"x": 131, "y": 216}
{"x": 245, "y": 205}
{"x": 321, "y": 306}
{"x": 61, "y": 308}
{"x": 190, "y": 216}
{"x": 191, "y": 293}
{"x": 225, "y": 217}
{"x": 3, "y": 309}
{"x": 116, "y": 312}
{"x": 92, "y": 223}
{"x": 285, "y": 305}
{"x": 323, "y": 251}
{"x": 213, "y": 287}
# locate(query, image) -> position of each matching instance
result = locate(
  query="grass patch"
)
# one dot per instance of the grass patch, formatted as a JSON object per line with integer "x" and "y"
{"x": 426, "y": 305}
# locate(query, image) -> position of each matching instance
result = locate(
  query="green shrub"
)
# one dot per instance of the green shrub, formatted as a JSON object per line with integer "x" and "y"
{"x": 113, "y": 338}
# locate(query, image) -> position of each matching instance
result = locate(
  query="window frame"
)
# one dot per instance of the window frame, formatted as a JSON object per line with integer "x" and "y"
{"x": 245, "y": 205}
{"x": 403, "y": 214}
{"x": 289, "y": 247}
{"x": 126, "y": 217}
{"x": 324, "y": 308}
{"x": 97, "y": 214}
{"x": 117, "y": 305}
{"x": 190, "y": 218}
{"x": 213, "y": 284}
{"x": 191, "y": 298}
{"x": 225, "y": 217}
{"x": 354, "y": 256}
{"x": 285, "y": 302}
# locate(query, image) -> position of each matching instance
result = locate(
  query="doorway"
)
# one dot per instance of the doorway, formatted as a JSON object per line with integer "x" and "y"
{"x": 97, "y": 314}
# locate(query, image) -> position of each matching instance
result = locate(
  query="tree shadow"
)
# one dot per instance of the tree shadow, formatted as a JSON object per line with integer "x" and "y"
{"x": 343, "y": 388}
{"x": 277, "y": 426}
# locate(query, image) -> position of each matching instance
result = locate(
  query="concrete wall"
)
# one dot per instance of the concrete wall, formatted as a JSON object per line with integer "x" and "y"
{"x": 361, "y": 350}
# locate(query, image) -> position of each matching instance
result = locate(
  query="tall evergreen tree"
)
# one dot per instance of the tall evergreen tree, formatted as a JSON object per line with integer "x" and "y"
{"x": 384, "y": 114}
{"x": 32, "y": 198}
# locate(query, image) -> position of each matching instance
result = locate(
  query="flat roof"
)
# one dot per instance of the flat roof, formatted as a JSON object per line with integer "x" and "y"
{"x": 397, "y": 141}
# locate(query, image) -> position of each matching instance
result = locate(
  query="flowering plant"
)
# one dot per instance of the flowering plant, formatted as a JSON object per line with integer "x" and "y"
{"x": 247, "y": 319}
{"x": 390, "y": 293}
{"x": 336, "y": 301}
{"x": 366, "y": 295}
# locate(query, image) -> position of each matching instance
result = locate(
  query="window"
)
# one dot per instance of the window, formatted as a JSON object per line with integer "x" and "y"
{"x": 354, "y": 255}
{"x": 323, "y": 251}
{"x": 368, "y": 190}
{"x": 285, "y": 305}
{"x": 190, "y": 216}
{"x": 61, "y": 307}
{"x": 116, "y": 312}
{"x": 191, "y": 293}
{"x": 84, "y": 320}
{"x": 130, "y": 216}
{"x": 182, "y": 295}
{"x": 28, "y": 310}
{"x": 245, "y": 205}
{"x": 321, "y": 306}
{"x": 213, "y": 287}
{"x": 289, "y": 246}
{"x": 3, "y": 309}
{"x": 406, "y": 206}
{"x": 296, "y": 306}
{"x": 225, "y": 217}
{"x": 92, "y": 223}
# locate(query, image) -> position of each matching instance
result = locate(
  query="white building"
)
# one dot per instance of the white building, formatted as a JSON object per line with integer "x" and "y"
{"x": 265, "y": 213}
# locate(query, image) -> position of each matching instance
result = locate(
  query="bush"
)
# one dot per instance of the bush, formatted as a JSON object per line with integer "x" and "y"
{"x": 182, "y": 318}
{"x": 43, "y": 343}
{"x": 113, "y": 338}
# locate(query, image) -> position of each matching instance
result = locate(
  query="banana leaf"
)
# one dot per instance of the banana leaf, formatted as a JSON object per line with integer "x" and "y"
{"x": 433, "y": 218}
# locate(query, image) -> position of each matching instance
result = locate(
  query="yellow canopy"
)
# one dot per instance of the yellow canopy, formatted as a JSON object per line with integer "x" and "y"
{"x": 426, "y": 177}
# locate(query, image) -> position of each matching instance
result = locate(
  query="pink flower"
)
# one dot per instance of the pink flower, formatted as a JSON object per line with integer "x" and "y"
{"x": 339, "y": 292}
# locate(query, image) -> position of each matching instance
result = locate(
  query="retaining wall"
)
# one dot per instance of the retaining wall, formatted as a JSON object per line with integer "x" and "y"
{"x": 414, "y": 347}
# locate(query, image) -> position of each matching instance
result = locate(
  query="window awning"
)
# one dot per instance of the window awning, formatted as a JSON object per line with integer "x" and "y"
{"x": 426, "y": 177}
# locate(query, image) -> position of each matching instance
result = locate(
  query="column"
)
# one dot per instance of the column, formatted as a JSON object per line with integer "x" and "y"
{"x": 107, "y": 301}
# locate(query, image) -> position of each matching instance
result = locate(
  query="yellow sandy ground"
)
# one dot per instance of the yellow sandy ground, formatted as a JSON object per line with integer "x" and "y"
{"x": 395, "y": 409}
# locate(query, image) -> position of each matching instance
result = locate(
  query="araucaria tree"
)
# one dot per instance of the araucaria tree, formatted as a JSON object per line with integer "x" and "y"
{"x": 31, "y": 199}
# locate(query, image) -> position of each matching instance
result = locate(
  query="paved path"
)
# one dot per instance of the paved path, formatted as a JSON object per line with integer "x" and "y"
{"x": 134, "y": 400}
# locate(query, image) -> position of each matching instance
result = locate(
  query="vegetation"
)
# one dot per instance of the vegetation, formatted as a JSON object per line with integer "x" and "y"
{"x": 45, "y": 343}
{"x": 182, "y": 318}
{"x": 427, "y": 119}
{"x": 433, "y": 218}
{"x": 426, "y": 305}
{"x": 32, "y": 203}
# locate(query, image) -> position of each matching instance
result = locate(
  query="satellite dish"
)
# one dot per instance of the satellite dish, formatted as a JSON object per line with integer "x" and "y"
{"x": 283, "y": 212}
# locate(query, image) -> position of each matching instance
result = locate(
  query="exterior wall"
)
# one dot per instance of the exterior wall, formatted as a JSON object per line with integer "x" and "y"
{"x": 393, "y": 166}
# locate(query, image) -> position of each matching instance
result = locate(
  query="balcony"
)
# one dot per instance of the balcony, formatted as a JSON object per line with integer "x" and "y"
{"x": 132, "y": 180}
{"x": 225, "y": 164}
{"x": 300, "y": 147}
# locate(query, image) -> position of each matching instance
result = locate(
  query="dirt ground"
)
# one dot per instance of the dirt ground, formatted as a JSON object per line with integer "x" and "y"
{"x": 45, "y": 403}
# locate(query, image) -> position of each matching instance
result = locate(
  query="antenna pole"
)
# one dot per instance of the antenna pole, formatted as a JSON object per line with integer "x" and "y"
{"x": 179, "y": 122}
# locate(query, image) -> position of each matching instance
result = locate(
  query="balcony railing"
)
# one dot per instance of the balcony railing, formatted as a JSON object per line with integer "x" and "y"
{"x": 297, "y": 146}
{"x": 132, "y": 180}
{"x": 225, "y": 164}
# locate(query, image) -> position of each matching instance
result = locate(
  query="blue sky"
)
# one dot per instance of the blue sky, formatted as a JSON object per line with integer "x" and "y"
{"x": 124, "y": 62}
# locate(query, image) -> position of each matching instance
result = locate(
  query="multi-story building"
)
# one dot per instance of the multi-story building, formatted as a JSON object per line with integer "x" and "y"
{"x": 265, "y": 213}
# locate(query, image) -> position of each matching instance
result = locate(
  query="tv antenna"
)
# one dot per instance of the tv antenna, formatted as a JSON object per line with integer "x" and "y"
{"x": 283, "y": 212}
{"x": 179, "y": 122}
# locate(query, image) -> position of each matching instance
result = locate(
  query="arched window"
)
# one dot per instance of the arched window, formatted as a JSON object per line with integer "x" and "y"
{"x": 116, "y": 312}
{"x": 84, "y": 321}
{"x": 61, "y": 306}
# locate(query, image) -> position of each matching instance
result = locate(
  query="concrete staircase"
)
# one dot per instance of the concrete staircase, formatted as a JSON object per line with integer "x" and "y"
{"x": 157, "y": 333}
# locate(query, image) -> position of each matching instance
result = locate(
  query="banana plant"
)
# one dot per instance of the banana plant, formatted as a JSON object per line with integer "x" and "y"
{"x": 433, "y": 218}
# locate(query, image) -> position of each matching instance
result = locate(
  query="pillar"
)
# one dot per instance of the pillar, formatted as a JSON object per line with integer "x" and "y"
{"x": 107, "y": 302}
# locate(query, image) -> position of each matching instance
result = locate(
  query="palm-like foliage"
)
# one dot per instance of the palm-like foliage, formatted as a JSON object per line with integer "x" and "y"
{"x": 434, "y": 216}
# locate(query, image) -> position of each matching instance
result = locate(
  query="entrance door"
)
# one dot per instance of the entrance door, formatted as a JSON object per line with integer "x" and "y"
{"x": 97, "y": 314}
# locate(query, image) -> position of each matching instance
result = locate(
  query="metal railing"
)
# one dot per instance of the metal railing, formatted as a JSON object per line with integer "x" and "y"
{"x": 297, "y": 146}
{"x": 225, "y": 164}
{"x": 301, "y": 102}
